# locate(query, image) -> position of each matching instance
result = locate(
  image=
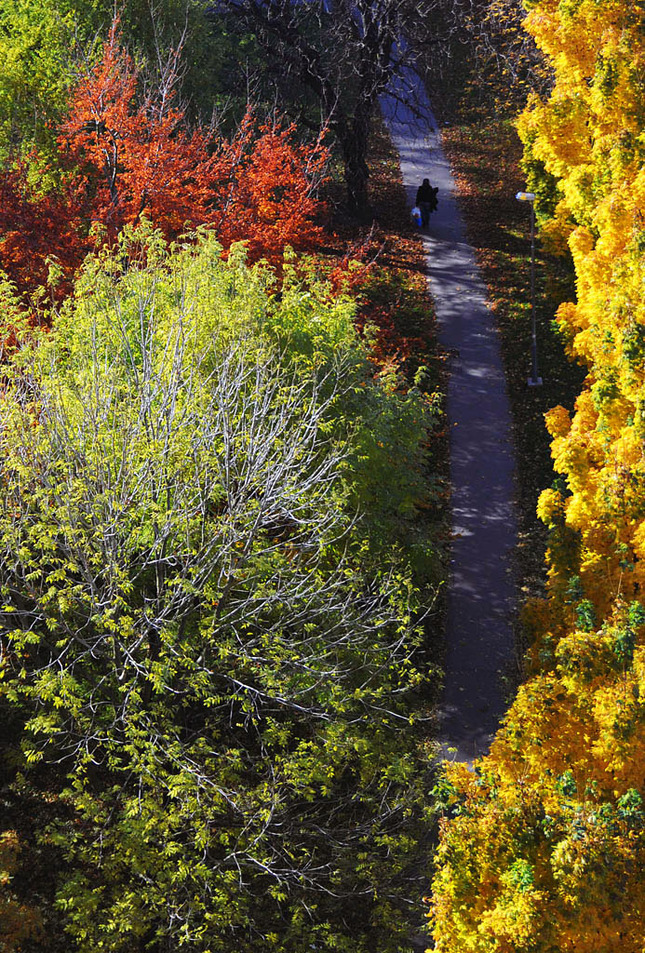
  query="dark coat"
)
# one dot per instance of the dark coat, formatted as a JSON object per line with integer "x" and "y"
{"x": 428, "y": 195}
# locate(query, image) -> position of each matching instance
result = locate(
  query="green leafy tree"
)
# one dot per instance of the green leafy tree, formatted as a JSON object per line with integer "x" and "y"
{"x": 199, "y": 630}
{"x": 34, "y": 71}
{"x": 45, "y": 45}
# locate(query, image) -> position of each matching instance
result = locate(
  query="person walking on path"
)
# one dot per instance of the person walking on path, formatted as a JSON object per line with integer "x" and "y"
{"x": 426, "y": 201}
{"x": 481, "y": 592}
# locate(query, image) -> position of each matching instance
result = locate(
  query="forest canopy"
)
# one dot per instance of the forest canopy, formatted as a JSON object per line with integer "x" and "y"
{"x": 221, "y": 482}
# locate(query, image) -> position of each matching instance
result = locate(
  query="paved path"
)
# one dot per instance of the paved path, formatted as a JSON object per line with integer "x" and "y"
{"x": 481, "y": 591}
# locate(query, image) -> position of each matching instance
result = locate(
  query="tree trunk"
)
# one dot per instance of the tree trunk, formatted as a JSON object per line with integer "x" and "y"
{"x": 354, "y": 138}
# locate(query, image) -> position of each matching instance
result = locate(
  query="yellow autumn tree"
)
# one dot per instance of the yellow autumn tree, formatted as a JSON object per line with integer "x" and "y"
{"x": 589, "y": 138}
{"x": 543, "y": 845}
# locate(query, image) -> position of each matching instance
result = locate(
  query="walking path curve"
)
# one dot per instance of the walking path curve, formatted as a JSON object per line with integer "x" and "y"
{"x": 481, "y": 593}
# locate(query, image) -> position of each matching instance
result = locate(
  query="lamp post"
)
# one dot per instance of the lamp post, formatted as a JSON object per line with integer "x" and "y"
{"x": 534, "y": 380}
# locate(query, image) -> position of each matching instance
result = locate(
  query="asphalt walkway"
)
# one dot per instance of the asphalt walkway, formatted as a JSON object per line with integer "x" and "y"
{"x": 481, "y": 594}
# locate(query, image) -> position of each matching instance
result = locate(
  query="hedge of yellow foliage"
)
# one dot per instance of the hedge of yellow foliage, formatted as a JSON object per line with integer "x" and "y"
{"x": 544, "y": 848}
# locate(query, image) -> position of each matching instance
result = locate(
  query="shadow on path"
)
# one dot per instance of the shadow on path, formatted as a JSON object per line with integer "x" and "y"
{"x": 481, "y": 594}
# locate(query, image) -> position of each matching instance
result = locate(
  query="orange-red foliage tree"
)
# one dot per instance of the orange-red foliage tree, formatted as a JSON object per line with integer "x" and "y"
{"x": 36, "y": 230}
{"x": 125, "y": 156}
{"x": 133, "y": 157}
{"x": 265, "y": 189}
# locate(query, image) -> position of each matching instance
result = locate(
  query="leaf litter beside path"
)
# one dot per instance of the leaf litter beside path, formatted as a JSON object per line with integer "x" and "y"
{"x": 485, "y": 158}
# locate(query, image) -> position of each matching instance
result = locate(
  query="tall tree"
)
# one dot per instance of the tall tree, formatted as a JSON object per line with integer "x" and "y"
{"x": 340, "y": 55}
